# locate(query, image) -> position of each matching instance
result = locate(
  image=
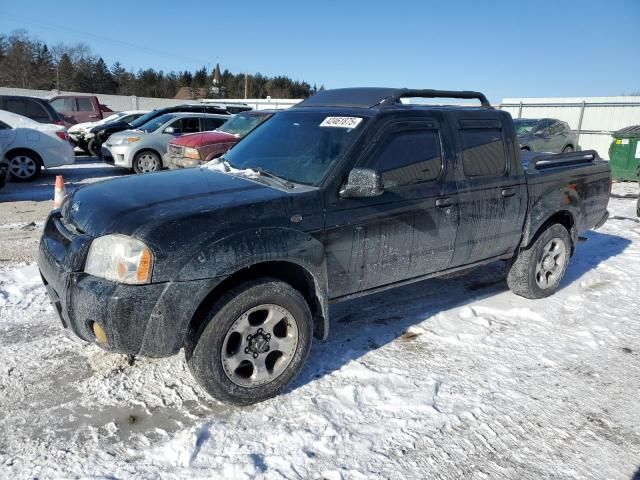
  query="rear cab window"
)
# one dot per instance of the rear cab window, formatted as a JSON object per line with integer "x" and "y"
{"x": 64, "y": 104}
{"x": 483, "y": 148}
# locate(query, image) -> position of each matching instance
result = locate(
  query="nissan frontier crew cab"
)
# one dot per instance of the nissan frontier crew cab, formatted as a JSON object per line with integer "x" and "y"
{"x": 348, "y": 193}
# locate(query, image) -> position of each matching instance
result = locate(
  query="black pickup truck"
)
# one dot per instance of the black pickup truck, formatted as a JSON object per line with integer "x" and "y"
{"x": 348, "y": 193}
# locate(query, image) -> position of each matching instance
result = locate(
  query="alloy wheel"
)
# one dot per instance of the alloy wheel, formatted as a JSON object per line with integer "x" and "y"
{"x": 551, "y": 263}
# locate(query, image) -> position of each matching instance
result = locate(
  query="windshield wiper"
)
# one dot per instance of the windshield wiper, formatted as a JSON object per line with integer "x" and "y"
{"x": 281, "y": 181}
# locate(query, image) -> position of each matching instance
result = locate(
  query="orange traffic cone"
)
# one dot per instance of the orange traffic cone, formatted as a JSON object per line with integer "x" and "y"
{"x": 58, "y": 194}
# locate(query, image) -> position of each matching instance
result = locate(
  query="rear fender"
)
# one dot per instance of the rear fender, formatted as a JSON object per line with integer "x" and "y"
{"x": 563, "y": 203}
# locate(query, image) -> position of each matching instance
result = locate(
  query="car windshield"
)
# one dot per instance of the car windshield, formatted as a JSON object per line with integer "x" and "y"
{"x": 242, "y": 124}
{"x": 524, "y": 127}
{"x": 297, "y": 146}
{"x": 144, "y": 119}
{"x": 156, "y": 123}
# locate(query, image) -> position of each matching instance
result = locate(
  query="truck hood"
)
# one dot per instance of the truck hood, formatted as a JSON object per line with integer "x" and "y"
{"x": 205, "y": 138}
{"x": 134, "y": 204}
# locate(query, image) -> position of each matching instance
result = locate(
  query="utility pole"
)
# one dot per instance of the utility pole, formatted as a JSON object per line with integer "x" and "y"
{"x": 246, "y": 85}
{"x": 57, "y": 77}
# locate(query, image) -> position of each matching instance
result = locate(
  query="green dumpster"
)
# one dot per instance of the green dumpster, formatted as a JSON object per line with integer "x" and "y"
{"x": 624, "y": 154}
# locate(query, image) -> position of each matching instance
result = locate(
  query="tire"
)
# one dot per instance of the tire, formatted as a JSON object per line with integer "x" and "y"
{"x": 92, "y": 147}
{"x": 536, "y": 272}
{"x": 147, "y": 162}
{"x": 24, "y": 166}
{"x": 265, "y": 322}
{"x": 567, "y": 149}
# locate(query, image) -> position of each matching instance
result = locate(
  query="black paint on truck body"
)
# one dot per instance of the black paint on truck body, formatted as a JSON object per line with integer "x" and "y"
{"x": 207, "y": 228}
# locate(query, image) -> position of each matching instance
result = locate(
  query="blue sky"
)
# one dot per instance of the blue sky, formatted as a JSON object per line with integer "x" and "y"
{"x": 504, "y": 48}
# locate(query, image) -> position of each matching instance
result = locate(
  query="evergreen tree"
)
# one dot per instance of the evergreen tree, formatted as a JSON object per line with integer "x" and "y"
{"x": 66, "y": 72}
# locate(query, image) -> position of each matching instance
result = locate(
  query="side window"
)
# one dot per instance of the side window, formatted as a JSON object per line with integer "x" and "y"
{"x": 408, "y": 157}
{"x": 212, "y": 123}
{"x": 16, "y": 105}
{"x": 63, "y": 104}
{"x": 4, "y": 126}
{"x": 483, "y": 152}
{"x": 84, "y": 104}
{"x": 190, "y": 125}
{"x": 37, "y": 112}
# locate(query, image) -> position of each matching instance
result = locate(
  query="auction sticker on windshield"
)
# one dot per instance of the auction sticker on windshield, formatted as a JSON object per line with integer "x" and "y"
{"x": 341, "y": 122}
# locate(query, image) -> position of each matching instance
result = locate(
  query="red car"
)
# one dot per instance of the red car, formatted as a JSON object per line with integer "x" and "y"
{"x": 198, "y": 148}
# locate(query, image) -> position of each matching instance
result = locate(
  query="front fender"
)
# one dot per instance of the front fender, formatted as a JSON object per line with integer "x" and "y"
{"x": 222, "y": 257}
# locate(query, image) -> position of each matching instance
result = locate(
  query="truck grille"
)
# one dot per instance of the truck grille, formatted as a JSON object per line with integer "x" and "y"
{"x": 175, "y": 150}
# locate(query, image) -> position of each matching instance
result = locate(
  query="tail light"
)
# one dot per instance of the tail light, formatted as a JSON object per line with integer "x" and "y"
{"x": 63, "y": 135}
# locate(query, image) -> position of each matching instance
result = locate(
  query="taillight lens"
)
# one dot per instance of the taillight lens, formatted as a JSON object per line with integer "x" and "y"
{"x": 63, "y": 135}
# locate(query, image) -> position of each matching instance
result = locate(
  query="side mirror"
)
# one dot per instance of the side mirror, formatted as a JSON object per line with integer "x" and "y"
{"x": 541, "y": 133}
{"x": 172, "y": 131}
{"x": 362, "y": 182}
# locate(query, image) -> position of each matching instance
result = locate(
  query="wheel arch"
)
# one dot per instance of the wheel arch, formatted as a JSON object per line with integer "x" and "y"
{"x": 562, "y": 217}
{"x": 29, "y": 151}
{"x": 287, "y": 271}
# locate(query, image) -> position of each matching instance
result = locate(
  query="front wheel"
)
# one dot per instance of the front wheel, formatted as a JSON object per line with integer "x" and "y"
{"x": 567, "y": 149}
{"x": 93, "y": 148}
{"x": 253, "y": 343}
{"x": 147, "y": 162}
{"x": 537, "y": 270}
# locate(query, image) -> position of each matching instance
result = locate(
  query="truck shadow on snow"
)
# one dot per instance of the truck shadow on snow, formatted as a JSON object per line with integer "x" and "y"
{"x": 367, "y": 323}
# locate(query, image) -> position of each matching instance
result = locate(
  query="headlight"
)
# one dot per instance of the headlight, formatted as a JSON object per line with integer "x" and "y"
{"x": 192, "y": 153}
{"x": 121, "y": 259}
{"x": 131, "y": 139}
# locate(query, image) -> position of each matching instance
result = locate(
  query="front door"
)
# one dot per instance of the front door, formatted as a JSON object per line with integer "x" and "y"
{"x": 406, "y": 232}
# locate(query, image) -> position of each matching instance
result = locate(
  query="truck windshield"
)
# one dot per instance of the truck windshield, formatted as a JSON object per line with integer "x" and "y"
{"x": 524, "y": 127}
{"x": 242, "y": 124}
{"x": 156, "y": 123}
{"x": 297, "y": 146}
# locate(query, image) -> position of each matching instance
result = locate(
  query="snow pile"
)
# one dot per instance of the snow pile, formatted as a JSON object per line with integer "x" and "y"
{"x": 455, "y": 378}
{"x": 219, "y": 165}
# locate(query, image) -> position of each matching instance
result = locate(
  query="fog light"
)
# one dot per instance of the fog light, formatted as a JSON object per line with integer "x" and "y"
{"x": 99, "y": 333}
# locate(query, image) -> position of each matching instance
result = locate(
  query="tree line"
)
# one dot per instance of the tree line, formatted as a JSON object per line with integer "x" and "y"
{"x": 26, "y": 62}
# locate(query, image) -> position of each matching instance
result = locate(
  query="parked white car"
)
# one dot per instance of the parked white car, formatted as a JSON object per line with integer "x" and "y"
{"x": 29, "y": 146}
{"x": 81, "y": 135}
{"x": 142, "y": 149}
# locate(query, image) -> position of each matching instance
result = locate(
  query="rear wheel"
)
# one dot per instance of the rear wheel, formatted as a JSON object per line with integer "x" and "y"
{"x": 24, "y": 166}
{"x": 567, "y": 149}
{"x": 254, "y": 342}
{"x": 537, "y": 270}
{"x": 147, "y": 162}
{"x": 92, "y": 147}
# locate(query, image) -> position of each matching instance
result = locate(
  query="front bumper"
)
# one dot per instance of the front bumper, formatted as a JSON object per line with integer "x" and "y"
{"x": 179, "y": 162}
{"x": 149, "y": 320}
{"x": 119, "y": 155}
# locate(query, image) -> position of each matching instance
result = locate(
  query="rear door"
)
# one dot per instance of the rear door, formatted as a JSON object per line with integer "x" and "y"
{"x": 406, "y": 232}
{"x": 491, "y": 189}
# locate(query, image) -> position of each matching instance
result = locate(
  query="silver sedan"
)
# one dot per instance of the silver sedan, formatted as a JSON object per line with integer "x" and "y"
{"x": 142, "y": 149}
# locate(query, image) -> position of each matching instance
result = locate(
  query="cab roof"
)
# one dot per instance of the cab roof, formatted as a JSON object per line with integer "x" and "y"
{"x": 375, "y": 97}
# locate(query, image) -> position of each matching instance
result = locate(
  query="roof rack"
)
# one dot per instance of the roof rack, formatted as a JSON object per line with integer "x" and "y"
{"x": 367, "y": 97}
{"x": 428, "y": 93}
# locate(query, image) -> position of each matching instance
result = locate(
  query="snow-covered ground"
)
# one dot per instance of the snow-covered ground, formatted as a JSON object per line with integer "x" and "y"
{"x": 453, "y": 378}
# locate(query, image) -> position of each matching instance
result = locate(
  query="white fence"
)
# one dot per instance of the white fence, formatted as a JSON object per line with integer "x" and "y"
{"x": 123, "y": 102}
{"x": 593, "y": 118}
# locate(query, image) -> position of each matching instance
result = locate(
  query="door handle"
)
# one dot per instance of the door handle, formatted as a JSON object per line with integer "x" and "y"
{"x": 444, "y": 202}
{"x": 508, "y": 192}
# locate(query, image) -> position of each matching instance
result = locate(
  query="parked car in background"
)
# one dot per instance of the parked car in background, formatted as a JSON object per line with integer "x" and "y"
{"x": 103, "y": 132}
{"x": 29, "y": 146}
{"x": 545, "y": 135}
{"x": 79, "y": 108}
{"x": 232, "y": 108}
{"x": 198, "y": 148}
{"x": 141, "y": 149}
{"x": 82, "y": 137}
{"x": 37, "y": 109}
{"x": 346, "y": 194}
